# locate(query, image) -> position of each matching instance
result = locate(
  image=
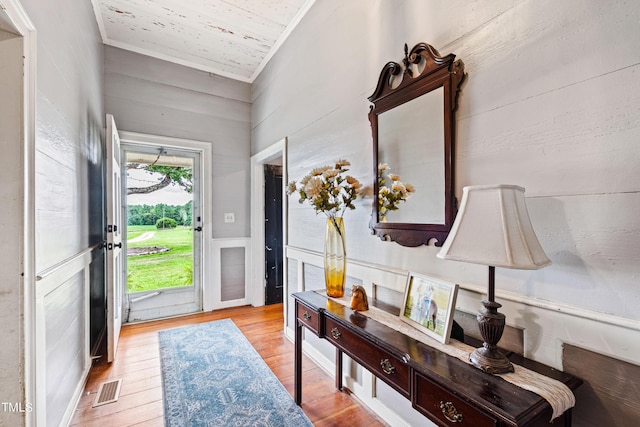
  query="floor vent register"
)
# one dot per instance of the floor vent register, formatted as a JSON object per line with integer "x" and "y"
{"x": 107, "y": 393}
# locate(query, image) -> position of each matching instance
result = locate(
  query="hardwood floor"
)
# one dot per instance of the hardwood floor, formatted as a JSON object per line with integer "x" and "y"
{"x": 138, "y": 364}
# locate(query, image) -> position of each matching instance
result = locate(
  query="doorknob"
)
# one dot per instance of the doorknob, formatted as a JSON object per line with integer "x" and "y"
{"x": 198, "y": 228}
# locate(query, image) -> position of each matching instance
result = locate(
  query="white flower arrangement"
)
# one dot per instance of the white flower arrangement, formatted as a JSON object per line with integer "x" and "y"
{"x": 389, "y": 198}
{"x": 327, "y": 190}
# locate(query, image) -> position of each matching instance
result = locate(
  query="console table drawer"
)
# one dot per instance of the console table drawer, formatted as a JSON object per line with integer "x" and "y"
{"x": 435, "y": 402}
{"x": 309, "y": 317}
{"x": 383, "y": 365}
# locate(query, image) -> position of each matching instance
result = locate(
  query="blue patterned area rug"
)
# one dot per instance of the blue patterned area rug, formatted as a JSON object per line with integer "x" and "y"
{"x": 212, "y": 376}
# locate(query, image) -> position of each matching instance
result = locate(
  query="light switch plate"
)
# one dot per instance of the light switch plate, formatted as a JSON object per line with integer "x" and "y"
{"x": 229, "y": 217}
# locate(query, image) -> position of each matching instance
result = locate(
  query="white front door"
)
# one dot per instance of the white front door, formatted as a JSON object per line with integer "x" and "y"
{"x": 164, "y": 233}
{"x": 115, "y": 272}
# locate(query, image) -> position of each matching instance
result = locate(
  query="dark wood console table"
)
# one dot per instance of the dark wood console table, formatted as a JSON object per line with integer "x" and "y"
{"x": 441, "y": 387}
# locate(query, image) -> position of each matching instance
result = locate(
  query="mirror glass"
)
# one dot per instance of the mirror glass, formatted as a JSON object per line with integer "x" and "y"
{"x": 411, "y": 142}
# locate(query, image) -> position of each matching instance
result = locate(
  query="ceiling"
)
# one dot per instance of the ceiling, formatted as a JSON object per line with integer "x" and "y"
{"x": 231, "y": 38}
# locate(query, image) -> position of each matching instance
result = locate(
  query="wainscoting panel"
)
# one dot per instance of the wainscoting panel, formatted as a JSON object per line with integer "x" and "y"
{"x": 611, "y": 390}
{"x": 63, "y": 335}
{"x": 229, "y": 273}
{"x": 233, "y": 277}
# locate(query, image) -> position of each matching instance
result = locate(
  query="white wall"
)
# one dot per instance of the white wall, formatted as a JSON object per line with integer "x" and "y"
{"x": 11, "y": 224}
{"x": 551, "y": 103}
{"x": 151, "y": 96}
{"x": 68, "y": 197}
{"x": 154, "y": 97}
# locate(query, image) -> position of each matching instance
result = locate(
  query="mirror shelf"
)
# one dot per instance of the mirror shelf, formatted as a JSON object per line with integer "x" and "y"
{"x": 412, "y": 120}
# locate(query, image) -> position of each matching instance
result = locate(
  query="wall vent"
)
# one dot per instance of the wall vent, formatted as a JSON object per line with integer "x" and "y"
{"x": 107, "y": 393}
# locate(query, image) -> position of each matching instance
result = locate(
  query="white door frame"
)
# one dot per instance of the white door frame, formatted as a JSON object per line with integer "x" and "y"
{"x": 258, "y": 281}
{"x": 34, "y": 334}
{"x": 206, "y": 153}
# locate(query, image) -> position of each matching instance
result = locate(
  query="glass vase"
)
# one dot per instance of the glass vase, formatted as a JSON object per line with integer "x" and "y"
{"x": 335, "y": 258}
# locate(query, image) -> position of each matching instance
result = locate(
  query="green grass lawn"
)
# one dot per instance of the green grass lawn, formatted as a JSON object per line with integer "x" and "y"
{"x": 164, "y": 270}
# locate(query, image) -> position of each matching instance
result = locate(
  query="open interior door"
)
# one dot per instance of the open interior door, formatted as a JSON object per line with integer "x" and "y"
{"x": 114, "y": 239}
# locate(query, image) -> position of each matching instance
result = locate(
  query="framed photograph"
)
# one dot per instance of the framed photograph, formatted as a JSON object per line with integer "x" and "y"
{"x": 429, "y": 304}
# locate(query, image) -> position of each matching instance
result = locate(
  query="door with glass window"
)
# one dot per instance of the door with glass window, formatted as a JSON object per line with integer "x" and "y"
{"x": 163, "y": 231}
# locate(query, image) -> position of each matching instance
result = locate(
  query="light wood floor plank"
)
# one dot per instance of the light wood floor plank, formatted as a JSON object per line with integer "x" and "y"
{"x": 138, "y": 364}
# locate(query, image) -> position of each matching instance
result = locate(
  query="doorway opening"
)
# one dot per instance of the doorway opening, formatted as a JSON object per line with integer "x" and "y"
{"x": 163, "y": 229}
{"x": 273, "y": 237}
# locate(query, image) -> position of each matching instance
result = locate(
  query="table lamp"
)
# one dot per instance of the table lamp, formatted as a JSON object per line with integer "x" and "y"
{"x": 493, "y": 228}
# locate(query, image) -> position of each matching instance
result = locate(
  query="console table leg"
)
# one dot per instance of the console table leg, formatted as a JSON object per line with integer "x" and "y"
{"x": 567, "y": 417}
{"x": 338, "y": 369}
{"x": 297, "y": 363}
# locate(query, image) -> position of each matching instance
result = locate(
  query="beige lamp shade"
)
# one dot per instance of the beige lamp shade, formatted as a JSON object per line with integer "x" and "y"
{"x": 493, "y": 228}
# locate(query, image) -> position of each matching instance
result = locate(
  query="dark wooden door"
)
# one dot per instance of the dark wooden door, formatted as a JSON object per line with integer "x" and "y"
{"x": 273, "y": 233}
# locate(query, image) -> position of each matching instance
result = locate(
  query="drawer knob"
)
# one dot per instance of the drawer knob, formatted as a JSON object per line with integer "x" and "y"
{"x": 335, "y": 333}
{"x": 306, "y": 316}
{"x": 387, "y": 367}
{"x": 450, "y": 412}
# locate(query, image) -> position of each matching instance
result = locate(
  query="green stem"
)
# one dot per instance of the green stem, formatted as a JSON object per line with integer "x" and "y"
{"x": 335, "y": 224}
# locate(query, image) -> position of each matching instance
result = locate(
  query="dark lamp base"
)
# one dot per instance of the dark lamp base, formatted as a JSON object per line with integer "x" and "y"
{"x": 491, "y": 361}
{"x": 491, "y": 325}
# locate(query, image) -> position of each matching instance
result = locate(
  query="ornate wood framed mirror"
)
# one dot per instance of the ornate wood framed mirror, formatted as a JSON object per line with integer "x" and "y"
{"x": 412, "y": 123}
